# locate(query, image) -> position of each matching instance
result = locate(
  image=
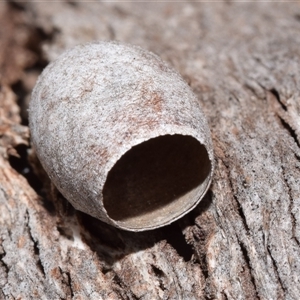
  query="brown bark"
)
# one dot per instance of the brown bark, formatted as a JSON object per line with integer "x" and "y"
{"x": 243, "y": 240}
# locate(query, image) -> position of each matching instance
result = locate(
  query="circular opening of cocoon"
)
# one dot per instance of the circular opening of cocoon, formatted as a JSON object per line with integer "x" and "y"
{"x": 156, "y": 182}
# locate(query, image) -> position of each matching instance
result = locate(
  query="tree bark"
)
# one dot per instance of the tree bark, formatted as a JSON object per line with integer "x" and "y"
{"x": 243, "y": 240}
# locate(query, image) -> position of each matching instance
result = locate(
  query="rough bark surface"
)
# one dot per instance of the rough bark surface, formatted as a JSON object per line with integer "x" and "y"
{"x": 243, "y": 240}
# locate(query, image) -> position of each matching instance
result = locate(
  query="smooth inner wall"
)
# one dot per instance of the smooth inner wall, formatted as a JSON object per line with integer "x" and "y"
{"x": 156, "y": 181}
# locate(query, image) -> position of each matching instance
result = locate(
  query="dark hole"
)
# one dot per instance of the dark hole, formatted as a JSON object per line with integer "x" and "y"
{"x": 72, "y": 3}
{"x": 173, "y": 234}
{"x": 17, "y": 5}
{"x": 21, "y": 93}
{"x": 66, "y": 232}
{"x": 297, "y": 17}
{"x": 21, "y": 165}
{"x": 156, "y": 181}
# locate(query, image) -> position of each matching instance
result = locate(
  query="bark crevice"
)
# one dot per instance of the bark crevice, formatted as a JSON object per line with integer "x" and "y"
{"x": 248, "y": 263}
{"x": 242, "y": 240}
{"x": 276, "y": 269}
{"x": 291, "y": 206}
{"x": 35, "y": 243}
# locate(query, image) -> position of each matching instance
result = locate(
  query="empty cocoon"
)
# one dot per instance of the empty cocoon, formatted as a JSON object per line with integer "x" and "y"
{"x": 121, "y": 135}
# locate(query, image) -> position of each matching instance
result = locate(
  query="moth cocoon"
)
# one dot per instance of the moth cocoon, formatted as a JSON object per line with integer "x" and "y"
{"x": 121, "y": 135}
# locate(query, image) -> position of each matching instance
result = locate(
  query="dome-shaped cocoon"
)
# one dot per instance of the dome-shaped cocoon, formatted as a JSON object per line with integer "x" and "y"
{"x": 121, "y": 135}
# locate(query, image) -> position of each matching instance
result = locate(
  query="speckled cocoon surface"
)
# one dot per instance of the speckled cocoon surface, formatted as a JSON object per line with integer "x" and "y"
{"x": 121, "y": 135}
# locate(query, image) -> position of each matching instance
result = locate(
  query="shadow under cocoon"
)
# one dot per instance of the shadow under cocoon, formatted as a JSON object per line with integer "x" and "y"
{"x": 156, "y": 181}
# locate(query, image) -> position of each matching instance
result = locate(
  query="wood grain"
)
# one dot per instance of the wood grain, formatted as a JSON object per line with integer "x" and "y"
{"x": 242, "y": 242}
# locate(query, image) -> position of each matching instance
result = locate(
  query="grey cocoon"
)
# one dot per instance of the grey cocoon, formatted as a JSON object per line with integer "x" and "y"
{"x": 121, "y": 135}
